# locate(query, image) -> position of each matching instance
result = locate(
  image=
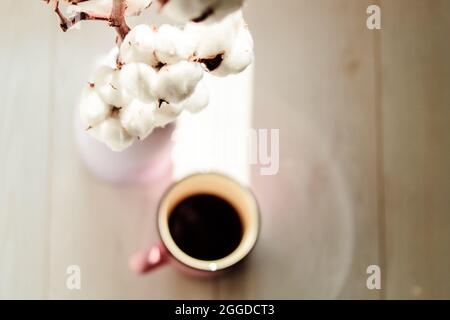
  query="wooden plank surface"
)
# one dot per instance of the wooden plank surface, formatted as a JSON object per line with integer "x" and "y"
{"x": 364, "y": 145}
{"x": 25, "y": 107}
{"x": 416, "y": 118}
{"x": 315, "y": 82}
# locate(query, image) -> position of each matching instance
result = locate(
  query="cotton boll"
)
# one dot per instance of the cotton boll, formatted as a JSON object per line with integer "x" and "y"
{"x": 139, "y": 46}
{"x": 136, "y": 79}
{"x": 199, "y": 100}
{"x": 111, "y": 132}
{"x": 215, "y": 38}
{"x": 239, "y": 57}
{"x": 176, "y": 82}
{"x": 138, "y": 118}
{"x": 166, "y": 113}
{"x": 108, "y": 86}
{"x": 172, "y": 45}
{"x": 93, "y": 109}
{"x": 104, "y": 7}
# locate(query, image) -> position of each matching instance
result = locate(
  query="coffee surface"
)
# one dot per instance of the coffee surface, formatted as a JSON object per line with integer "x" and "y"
{"x": 205, "y": 227}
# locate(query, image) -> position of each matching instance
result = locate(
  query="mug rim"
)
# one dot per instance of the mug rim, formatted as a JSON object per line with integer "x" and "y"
{"x": 208, "y": 269}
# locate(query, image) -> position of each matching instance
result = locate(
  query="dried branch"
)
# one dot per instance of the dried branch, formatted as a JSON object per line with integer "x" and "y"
{"x": 116, "y": 18}
{"x": 67, "y": 23}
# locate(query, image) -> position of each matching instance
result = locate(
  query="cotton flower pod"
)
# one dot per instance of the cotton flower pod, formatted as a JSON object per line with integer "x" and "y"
{"x": 138, "y": 118}
{"x": 93, "y": 109}
{"x": 239, "y": 57}
{"x": 139, "y": 46}
{"x": 136, "y": 79}
{"x": 104, "y": 7}
{"x": 108, "y": 85}
{"x": 199, "y": 100}
{"x": 215, "y": 38}
{"x": 199, "y": 10}
{"x": 111, "y": 132}
{"x": 166, "y": 113}
{"x": 176, "y": 82}
{"x": 172, "y": 45}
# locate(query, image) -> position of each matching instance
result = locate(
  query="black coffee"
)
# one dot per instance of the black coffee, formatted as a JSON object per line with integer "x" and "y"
{"x": 205, "y": 227}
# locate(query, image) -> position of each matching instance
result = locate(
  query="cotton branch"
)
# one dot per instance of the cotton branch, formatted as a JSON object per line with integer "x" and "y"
{"x": 116, "y": 18}
{"x": 67, "y": 23}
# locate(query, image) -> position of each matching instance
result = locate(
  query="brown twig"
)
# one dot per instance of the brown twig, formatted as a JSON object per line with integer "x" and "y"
{"x": 116, "y": 18}
{"x": 67, "y": 23}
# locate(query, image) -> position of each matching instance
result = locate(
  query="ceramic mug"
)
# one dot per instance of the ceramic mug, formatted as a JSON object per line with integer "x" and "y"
{"x": 167, "y": 251}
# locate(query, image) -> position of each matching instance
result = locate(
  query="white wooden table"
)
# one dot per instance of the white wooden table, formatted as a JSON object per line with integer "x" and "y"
{"x": 364, "y": 119}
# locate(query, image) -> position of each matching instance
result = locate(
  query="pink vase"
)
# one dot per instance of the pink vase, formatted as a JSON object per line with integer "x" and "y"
{"x": 144, "y": 162}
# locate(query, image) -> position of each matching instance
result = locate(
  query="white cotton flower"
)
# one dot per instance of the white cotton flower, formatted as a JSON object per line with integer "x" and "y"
{"x": 107, "y": 84}
{"x": 224, "y": 48}
{"x": 104, "y": 7}
{"x": 176, "y": 82}
{"x": 136, "y": 79}
{"x": 154, "y": 75}
{"x": 118, "y": 87}
{"x": 138, "y": 118}
{"x": 169, "y": 112}
{"x": 215, "y": 38}
{"x": 199, "y": 100}
{"x": 139, "y": 46}
{"x": 93, "y": 109}
{"x": 173, "y": 45}
{"x": 166, "y": 113}
{"x": 239, "y": 57}
{"x": 199, "y": 10}
{"x": 111, "y": 132}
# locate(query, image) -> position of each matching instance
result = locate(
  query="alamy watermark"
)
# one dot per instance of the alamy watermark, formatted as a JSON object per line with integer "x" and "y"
{"x": 374, "y": 280}
{"x": 374, "y": 20}
{"x": 227, "y": 148}
{"x": 73, "y": 280}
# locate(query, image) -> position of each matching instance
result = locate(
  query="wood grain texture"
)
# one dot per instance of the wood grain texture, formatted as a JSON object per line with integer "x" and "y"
{"x": 25, "y": 107}
{"x": 315, "y": 81}
{"x": 416, "y": 121}
{"x": 364, "y": 171}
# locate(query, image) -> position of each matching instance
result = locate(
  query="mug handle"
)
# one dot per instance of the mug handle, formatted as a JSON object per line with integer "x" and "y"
{"x": 149, "y": 259}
